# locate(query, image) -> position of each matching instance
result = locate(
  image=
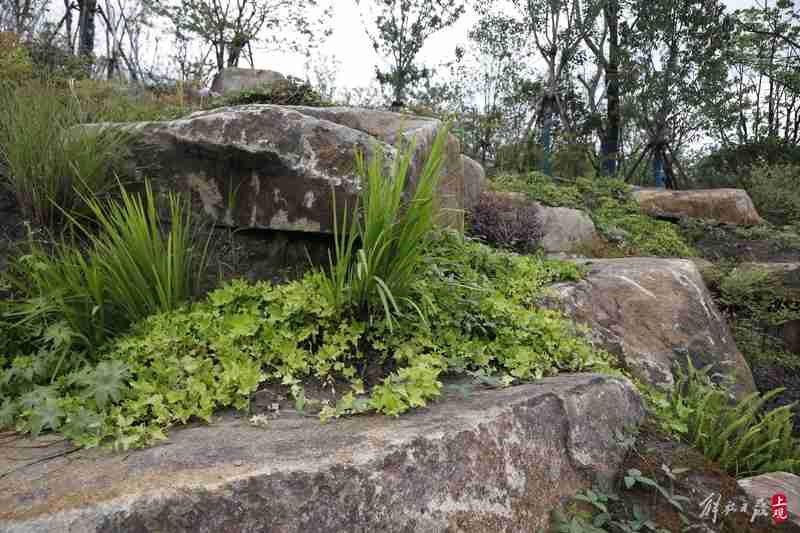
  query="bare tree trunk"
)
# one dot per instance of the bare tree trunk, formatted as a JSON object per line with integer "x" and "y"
{"x": 612, "y": 139}
{"x": 86, "y": 28}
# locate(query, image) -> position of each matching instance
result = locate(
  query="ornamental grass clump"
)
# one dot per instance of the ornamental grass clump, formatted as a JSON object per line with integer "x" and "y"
{"x": 379, "y": 246}
{"x": 46, "y": 160}
{"x": 134, "y": 266}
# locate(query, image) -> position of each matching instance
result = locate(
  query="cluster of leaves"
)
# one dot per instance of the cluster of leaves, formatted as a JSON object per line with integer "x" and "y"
{"x": 726, "y": 166}
{"x": 505, "y": 223}
{"x": 184, "y": 364}
{"x": 608, "y": 512}
{"x": 724, "y": 242}
{"x": 608, "y": 201}
{"x": 103, "y": 101}
{"x": 740, "y": 437}
{"x": 775, "y": 191}
{"x": 291, "y": 91}
{"x": 15, "y": 62}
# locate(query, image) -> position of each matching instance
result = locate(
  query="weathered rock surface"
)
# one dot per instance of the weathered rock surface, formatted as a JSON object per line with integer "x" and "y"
{"x": 652, "y": 313}
{"x": 474, "y": 181}
{"x": 498, "y": 460}
{"x": 767, "y": 485}
{"x": 233, "y": 79}
{"x": 275, "y": 167}
{"x": 731, "y": 206}
{"x": 565, "y": 229}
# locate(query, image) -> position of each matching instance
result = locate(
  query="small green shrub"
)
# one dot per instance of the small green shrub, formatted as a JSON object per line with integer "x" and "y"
{"x": 541, "y": 188}
{"x": 741, "y": 438}
{"x": 186, "y": 363}
{"x": 775, "y": 191}
{"x": 135, "y": 266}
{"x": 725, "y": 167}
{"x": 49, "y": 164}
{"x": 291, "y": 91}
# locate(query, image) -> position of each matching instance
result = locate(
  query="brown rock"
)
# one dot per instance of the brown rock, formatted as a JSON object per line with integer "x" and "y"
{"x": 731, "y": 206}
{"x": 233, "y": 79}
{"x": 652, "y": 313}
{"x": 497, "y": 461}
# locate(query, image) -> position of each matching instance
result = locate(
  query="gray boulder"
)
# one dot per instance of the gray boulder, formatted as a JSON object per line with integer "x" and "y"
{"x": 233, "y": 79}
{"x": 498, "y": 460}
{"x": 652, "y": 313}
{"x": 566, "y": 229}
{"x": 276, "y": 167}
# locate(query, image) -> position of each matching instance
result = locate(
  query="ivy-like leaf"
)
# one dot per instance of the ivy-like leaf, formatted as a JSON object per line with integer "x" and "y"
{"x": 107, "y": 382}
{"x": 46, "y": 415}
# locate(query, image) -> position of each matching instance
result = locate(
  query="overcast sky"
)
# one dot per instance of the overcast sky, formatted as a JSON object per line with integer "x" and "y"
{"x": 350, "y": 45}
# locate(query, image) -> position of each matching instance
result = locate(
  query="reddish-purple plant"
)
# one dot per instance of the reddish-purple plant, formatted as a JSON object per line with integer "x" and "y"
{"x": 506, "y": 222}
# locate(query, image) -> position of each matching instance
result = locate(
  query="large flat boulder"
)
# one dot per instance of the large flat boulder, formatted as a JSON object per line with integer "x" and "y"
{"x": 233, "y": 79}
{"x": 277, "y": 167}
{"x": 499, "y": 460}
{"x": 652, "y": 313}
{"x": 730, "y": 206}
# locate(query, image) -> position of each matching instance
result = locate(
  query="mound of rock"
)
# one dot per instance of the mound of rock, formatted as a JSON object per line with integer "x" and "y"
{"x": 278, "y": 167}
{"x": 233, "y": 79}
{"x": 653, "y": 313}
{"x": 730, "y": 206}
{"x": 499, "y": 460}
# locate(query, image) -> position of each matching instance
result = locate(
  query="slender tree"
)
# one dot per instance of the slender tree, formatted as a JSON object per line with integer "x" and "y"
{"x": 231, "y": 27}
{"x": 402, "y": 27}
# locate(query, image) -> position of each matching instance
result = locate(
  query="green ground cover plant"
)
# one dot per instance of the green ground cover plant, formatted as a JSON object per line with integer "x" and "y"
{"x": 608, "y": 202}
{"x": 184, "y": 364}
{"x": 400, "y": 309}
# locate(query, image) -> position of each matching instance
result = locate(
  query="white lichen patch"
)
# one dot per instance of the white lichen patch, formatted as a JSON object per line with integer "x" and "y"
{"x": 207, "y": 190}
{"x": 309, "y": 199}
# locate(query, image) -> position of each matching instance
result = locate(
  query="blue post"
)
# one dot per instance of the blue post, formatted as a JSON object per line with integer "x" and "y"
{"x": 658, "y": 170}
